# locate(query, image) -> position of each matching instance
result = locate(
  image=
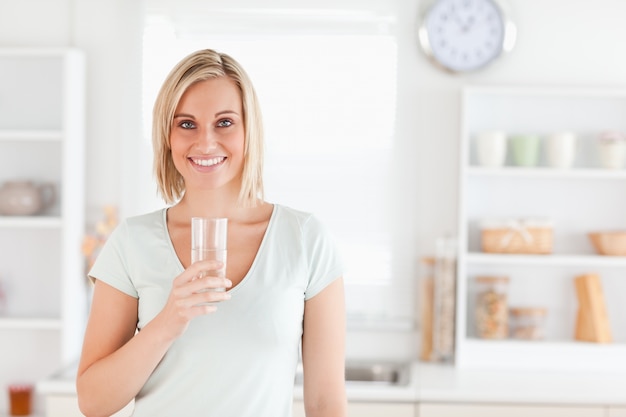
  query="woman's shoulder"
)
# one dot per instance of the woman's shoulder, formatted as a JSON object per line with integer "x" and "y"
{"x": 152, "y": 220}
{"x": 304, "y": 220}
{"x": 152, "y": 216}
{"x": 289, "y": 213}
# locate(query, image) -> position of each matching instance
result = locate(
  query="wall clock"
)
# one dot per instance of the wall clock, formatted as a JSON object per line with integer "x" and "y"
{"x": 465, "y": 35}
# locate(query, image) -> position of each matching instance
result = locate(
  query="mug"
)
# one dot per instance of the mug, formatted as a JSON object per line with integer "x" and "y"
{"x": 612, "y": 149}
{"x": 491, "y": 148}
{"x": 560, "y": 149}
{"x": 525, "y": 150}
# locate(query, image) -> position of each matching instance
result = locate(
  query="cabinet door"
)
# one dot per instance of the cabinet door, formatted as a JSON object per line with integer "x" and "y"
{"x": 381, "y": 410}
{"x": 62, "y": 406}
{"x": 368, "y": 409}
{"x": 298, "y": 409}
{"x": 617, "y": 412}
{"x": 67, "y": 406}
{"x": 483, "y": 410}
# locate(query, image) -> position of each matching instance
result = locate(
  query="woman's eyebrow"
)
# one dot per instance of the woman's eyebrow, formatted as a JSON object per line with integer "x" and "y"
{"x": 188, "y": 116}
{"x": 191, "y": 116}
{"x": 226, "y": 112}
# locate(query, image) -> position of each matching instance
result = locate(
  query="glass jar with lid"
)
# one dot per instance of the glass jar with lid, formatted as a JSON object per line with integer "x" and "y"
{"x": 528, "y": 323}
{"x": 492, "y": 307}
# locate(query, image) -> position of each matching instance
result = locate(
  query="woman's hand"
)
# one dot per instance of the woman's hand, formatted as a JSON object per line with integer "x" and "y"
{"x": 192, "y": 295}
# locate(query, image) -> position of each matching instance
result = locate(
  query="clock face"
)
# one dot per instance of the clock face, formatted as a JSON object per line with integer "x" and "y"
{"x": 463, "y": 35}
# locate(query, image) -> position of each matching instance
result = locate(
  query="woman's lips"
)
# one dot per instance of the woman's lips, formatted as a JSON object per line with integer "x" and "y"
{"x": 208, "y": 162}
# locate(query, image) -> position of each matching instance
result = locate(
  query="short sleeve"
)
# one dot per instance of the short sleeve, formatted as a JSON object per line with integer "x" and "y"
{"x": 111, "y": 266}
{"x": 323, "y": 257}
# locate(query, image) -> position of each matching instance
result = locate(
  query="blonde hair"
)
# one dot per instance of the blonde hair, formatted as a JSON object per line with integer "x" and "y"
{"x": 199, "y": 66}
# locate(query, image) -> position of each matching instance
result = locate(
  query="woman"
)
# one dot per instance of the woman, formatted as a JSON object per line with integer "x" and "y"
{"x": 151, "y": 335}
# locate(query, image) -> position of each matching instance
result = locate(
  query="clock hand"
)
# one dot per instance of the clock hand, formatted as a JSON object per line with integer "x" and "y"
{"x": 458, "y": 20}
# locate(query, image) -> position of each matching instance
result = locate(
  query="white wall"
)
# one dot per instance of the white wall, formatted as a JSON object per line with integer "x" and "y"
{"x": 560, "y": 42}
{"x": 110, "y": 31}
{"x": 35, "y": 23}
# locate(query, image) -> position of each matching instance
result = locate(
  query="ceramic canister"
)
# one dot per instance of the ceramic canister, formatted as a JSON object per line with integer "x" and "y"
{"x": 24, "y": 198}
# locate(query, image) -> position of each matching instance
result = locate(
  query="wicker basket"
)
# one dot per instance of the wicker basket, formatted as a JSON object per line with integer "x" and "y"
{"x": 529, "y": 236}
{"x": 609, "y": 243}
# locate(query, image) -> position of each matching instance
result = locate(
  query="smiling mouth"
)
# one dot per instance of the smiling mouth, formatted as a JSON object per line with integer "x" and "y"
{"x": 208, "y": 162}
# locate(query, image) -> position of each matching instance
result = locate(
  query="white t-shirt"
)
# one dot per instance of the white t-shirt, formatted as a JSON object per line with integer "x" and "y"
{"x": 239, "y": 361}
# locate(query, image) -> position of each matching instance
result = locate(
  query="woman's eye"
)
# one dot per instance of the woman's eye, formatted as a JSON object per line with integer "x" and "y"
{"x": 224, "y": 123}
{"x": 187, "y": 125}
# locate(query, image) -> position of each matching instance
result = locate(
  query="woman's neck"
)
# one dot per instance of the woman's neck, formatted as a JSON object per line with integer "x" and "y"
{"x": 212, "y": 203}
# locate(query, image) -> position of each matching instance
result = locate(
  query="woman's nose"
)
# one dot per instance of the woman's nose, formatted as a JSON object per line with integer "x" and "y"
{"x": 207, "y": 141}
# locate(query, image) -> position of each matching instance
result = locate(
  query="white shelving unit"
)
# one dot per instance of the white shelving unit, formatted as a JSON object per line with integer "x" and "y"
{"x": 41, "y": 268}
{"x": 578, "y": 200}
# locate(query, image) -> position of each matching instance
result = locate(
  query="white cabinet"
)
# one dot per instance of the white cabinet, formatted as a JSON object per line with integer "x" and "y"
{"x": 583, "y": 198}
{"x": 617, "y": 412}
{"x": 381, "y": 409}
{"x": 368, "y": 409}
{"x": 298, "y": 409}
{"x": 41, "y": 267}
{"x": 488, "y": 410}
{"x": 67, "y": 406}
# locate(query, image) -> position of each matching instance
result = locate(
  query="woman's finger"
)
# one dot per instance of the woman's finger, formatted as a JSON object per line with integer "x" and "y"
{"x": 196, "y": 270}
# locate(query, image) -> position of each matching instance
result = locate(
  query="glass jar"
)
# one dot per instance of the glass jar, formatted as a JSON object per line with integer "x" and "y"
{"x": 20, "y": 399}
{"x": 491, "y": 307}
{"x": 528, "y": 323}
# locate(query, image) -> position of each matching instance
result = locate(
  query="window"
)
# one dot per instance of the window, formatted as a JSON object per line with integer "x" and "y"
{"x": 326, "y": 81}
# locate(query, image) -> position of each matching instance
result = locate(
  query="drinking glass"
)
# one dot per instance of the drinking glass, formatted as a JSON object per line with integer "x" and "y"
{"x": 208, "y": 242}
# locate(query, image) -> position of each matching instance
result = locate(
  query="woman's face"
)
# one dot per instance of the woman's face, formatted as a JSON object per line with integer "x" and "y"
{"x": 207, "y": 136}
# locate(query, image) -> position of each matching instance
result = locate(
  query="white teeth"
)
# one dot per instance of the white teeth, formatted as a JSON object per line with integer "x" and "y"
{"x": 208, "y": 162}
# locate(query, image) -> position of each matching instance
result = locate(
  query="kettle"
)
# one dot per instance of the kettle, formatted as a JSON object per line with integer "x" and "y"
{"x": 25, "y": 198}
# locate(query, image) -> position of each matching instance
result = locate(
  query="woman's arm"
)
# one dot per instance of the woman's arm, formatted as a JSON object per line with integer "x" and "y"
{"x": 116, "y": 362}
{"x": 112, "y": 323}
{"x": 323, "y": 353}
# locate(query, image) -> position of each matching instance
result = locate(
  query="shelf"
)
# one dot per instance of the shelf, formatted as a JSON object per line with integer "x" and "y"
{"x": 547, "y": 355}
{"x": 556, "y": 260}
{"x": 545, "y": 173}
{"x": 34, "y": 323}
{"x": 583, "y": 198}
{"x": 43, "y": 269}
{"x": 31, "y": 135}
{"x": 36, "y": 222}
{"x": 546, "y": 91}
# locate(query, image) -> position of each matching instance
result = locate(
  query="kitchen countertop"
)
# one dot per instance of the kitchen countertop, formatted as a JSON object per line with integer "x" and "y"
{"x": 379, "y": 392}
{"x": 445, "y": 383}
{"x": 439, "y": 383}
